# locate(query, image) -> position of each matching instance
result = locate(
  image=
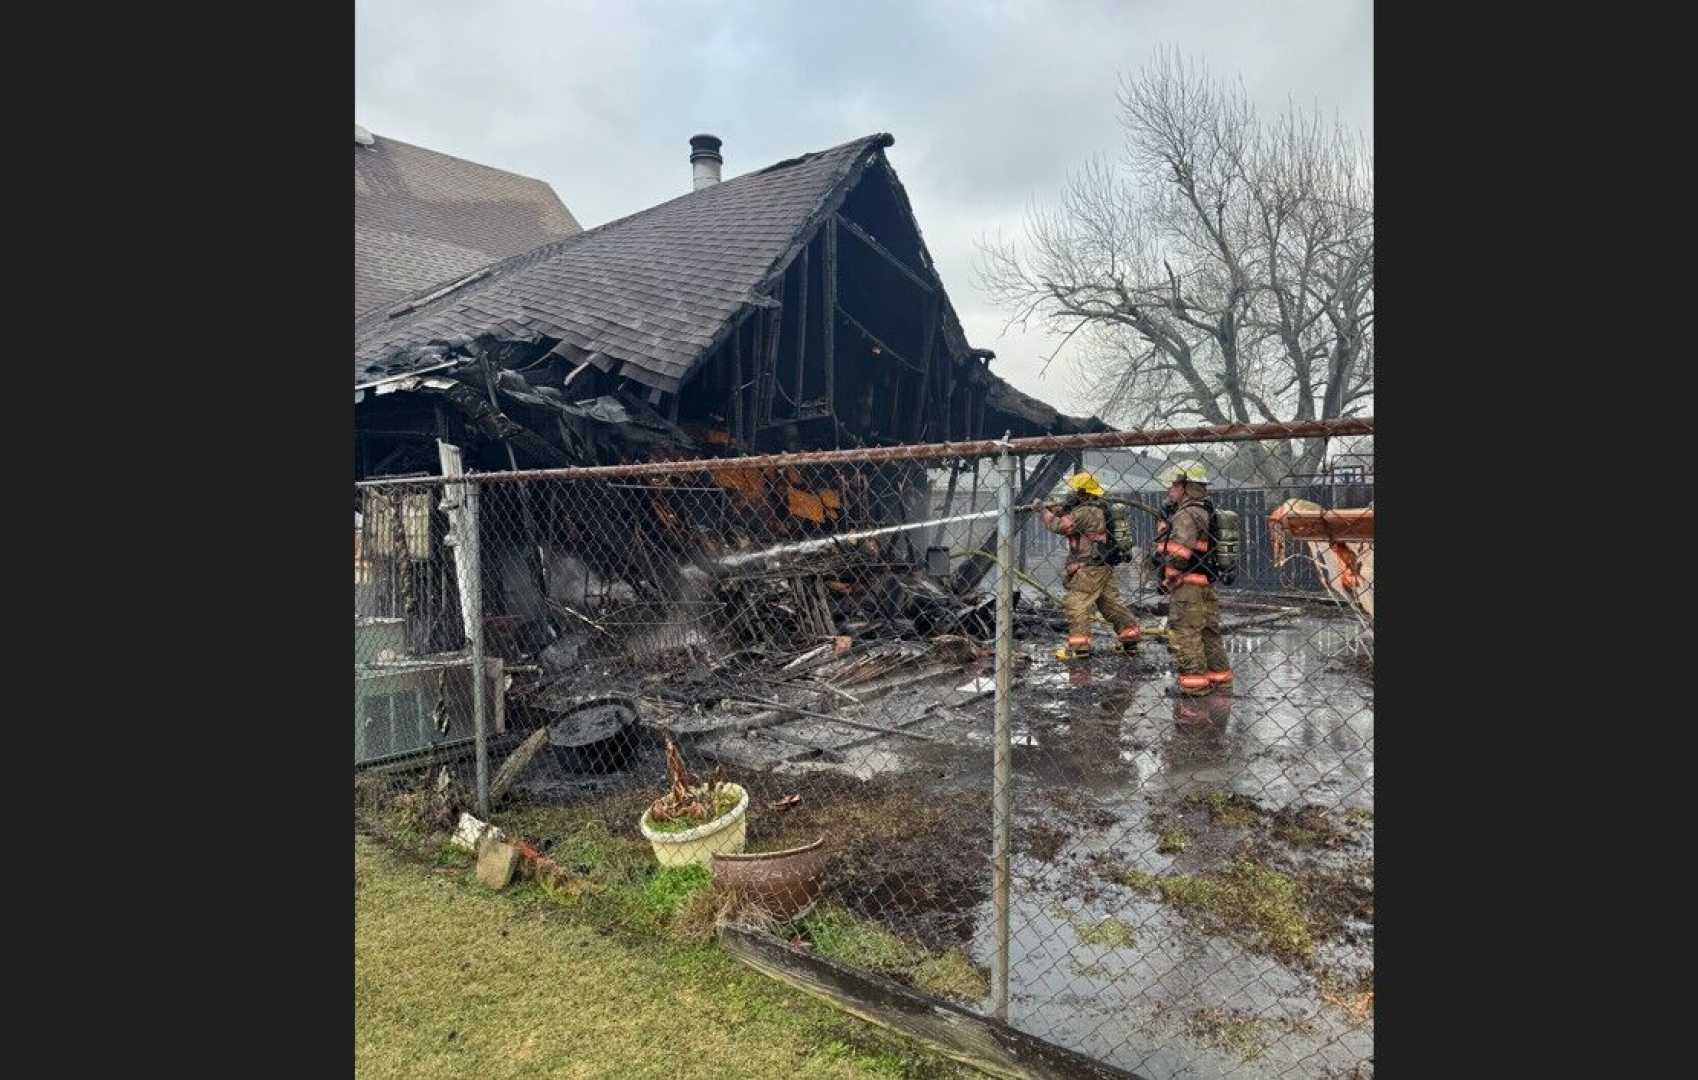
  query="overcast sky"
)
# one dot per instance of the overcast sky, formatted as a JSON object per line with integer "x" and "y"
{"x": 991, "y": 103}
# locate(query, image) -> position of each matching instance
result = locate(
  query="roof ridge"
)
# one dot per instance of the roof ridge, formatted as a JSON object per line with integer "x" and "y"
{"x": 883, "y": 139}
{"x": 467, "y": 161}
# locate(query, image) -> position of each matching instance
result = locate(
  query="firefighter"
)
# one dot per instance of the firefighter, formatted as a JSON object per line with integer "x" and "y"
{"x": 1182, "y": 553}
{"x": 1089, "y": 578}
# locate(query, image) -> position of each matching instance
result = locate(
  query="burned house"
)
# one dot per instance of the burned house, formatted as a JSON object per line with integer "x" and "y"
{"x": 791, "y": 308}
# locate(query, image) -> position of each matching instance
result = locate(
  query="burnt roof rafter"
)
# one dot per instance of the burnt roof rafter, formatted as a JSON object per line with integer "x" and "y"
{"x": 868, "y": 239}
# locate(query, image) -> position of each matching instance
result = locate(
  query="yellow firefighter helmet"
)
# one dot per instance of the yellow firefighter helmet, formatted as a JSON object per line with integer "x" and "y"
{"x": 1189, "y": 471}
{"x": 1086, "y": 482}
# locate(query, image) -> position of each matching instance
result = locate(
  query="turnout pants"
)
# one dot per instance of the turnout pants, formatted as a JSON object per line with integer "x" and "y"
{"x": 1193, "y": 635}
{"x": 1093, "y": 588}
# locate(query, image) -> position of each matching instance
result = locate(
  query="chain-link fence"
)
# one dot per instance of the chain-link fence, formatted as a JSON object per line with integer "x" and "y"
{"x": 1153, "y": 846}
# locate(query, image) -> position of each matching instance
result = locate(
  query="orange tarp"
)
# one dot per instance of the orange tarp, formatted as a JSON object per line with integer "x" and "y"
{"x": 749, "y": 483}
{"x": 814, "y": 506}
{"x": 1329, "y": 525}
{"x": 1340, "y": 543}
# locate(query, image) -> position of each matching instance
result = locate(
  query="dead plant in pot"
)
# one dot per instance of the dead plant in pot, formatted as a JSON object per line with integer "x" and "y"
{"x": 693, "y": 821}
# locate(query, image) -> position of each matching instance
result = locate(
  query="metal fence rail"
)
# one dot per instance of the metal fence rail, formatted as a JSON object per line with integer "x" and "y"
{"x": 1170, "y": 882}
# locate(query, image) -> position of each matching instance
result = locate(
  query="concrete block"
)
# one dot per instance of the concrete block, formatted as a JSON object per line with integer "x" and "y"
{"x": 496, "y": 864}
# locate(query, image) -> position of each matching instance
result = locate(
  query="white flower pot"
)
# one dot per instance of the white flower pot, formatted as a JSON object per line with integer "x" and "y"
{"x": 723, "y": 835}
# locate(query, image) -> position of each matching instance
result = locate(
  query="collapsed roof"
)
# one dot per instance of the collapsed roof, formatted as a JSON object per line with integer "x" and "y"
{"x": 794, "y": 306}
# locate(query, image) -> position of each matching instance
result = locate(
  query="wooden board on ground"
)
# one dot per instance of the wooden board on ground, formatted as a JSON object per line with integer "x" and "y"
{"x": 515, "y": 764}
{"x": 986, "y": 1044}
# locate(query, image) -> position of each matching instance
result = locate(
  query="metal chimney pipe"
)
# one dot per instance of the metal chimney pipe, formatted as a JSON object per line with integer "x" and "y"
{"x": 705, "y": 160}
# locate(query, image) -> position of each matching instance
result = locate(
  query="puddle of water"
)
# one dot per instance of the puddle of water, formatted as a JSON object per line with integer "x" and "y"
{"x": 1096, "y": 749}
{"x": 1297, "y": 732}
{"x": 1126, "y": 1004}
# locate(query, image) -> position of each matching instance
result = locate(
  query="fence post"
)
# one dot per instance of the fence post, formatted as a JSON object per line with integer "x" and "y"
{"x": 1002, "y": 762}
{"x": 472, "y": 552}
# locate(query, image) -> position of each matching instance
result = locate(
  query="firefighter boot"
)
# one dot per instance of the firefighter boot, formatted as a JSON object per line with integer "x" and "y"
{"x": 1078, "y": 647}
{"x": 1129, "y": 638}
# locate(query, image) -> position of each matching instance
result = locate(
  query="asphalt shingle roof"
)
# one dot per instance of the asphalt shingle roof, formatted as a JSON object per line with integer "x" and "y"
{"x": 656, "y": 289}
{"x": 422, "y": 218}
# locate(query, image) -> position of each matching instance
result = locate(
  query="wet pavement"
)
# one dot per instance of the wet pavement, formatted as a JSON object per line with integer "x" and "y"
{"x": 1100, "y": 749}
{"x": 1107, "y": 769}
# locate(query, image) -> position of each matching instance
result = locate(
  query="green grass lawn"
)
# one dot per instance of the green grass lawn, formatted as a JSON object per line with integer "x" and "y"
{"x": 452, "y": 980}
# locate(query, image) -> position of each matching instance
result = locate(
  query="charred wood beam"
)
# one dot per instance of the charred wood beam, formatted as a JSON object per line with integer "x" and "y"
{"x": 538, "y": 448}
{"x": 571, "y": 442}
{"x": 896, "y": 380}
{"x": 829, "y": 312}
{"x": 923, "y": 385}
{"x": 949, "y": 399}
{"x": 494, "y": 424}
{"x": 752, "y": 379}
{"x": 495, "y": 403}
{"x": 737, "y": 385}
{"x": 873, "y": 339}
{"x": 767, "y": 384}
{"x": 940, "y": 376}
{"x": 1048, "y": 473}
{"x": 866, "y": 238}
{"x": 801, "y": 327}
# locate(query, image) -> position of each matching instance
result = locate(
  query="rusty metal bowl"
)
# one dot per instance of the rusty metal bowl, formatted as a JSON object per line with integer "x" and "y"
{"x": 784, "y": 884}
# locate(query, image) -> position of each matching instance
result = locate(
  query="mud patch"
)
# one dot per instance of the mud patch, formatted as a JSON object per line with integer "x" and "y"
{"x": 1040, "y": 841}
{"x": 847, "y": 812}
{"x": 914, "y": 863}
{"x": 1335, "y": 899}
{"x": 1226, "y": 810}
{"x": 1308, "y": 827}
{"x": 1300, "y": 827}
{"x": 1280, "y": 912}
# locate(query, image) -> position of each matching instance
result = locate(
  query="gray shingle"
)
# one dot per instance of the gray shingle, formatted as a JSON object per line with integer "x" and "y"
{"x": 652, "y": 289}
{"x": 422, "y": 219}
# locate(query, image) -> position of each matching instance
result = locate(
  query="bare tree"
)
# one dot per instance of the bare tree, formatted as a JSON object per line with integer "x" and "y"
{"x": 1221, "y": 271}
